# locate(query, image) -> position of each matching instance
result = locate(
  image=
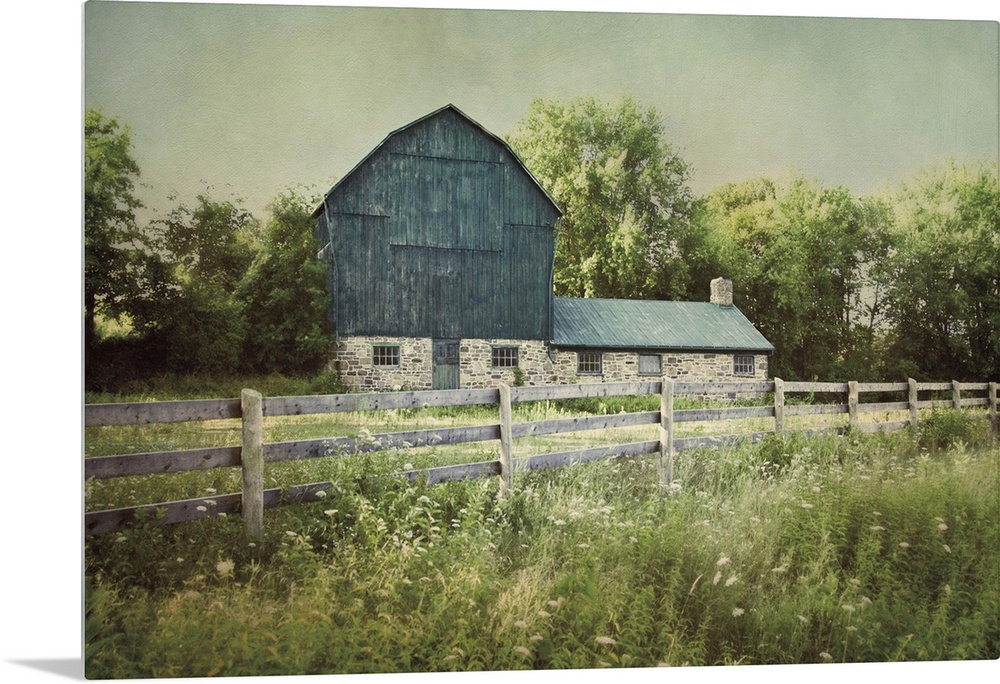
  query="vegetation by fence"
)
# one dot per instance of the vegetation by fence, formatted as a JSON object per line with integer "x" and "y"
{"x": 253, "y": 454}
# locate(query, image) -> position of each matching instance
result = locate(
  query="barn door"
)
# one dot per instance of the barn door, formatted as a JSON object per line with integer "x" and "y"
{"x": 446, "y": 366}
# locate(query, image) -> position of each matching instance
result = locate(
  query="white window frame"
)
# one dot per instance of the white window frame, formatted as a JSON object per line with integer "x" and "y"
{"x": 743, "y": 362}
{"x": 505, "y": 356}
{"x": 659, "y": 364}
{"x": 386, "y": 355}
{"x": 585, "y": 358}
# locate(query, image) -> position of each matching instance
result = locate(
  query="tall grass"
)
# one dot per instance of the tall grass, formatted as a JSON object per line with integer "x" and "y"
{"x": 790, "y": 551}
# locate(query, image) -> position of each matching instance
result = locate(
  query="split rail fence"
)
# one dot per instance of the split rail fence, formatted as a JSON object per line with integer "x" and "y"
{"x": 252, "y": 455}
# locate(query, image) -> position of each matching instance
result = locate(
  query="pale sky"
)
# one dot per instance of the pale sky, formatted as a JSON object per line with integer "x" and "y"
{"x": 252, "y": 99}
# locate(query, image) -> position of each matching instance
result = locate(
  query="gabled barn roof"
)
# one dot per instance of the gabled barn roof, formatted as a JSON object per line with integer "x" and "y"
{"x": 647, "y": 324}
{"x": 451, "y": 107}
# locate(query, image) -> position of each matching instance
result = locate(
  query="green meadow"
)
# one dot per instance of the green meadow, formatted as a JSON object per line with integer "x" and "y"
{"x": 794, "y": 550}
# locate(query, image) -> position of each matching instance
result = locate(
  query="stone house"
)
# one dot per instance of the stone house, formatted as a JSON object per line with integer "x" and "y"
{"x": 440, "y": 245}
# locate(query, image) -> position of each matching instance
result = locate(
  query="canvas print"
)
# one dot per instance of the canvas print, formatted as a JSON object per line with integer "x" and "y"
{"x": 425, "y": 340}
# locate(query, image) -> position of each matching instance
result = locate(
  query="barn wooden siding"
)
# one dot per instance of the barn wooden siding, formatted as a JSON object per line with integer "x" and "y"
{"x": 441, "y": 232}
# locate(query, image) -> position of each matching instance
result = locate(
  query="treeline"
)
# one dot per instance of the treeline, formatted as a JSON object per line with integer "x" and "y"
{"x": 889, "y": 286}
{"x": 206, "y": 289}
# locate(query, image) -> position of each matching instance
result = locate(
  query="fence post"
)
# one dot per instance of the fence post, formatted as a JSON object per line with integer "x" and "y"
{"x": 994, "y": 418}
{"x": 914, "y": 419}
{"x": 666, "y": 469}
{"x": 779, "y": 405}
{"x": 252, "y": 462}
{"x": 956, "y": 395}
{"x": 852, "y": 403}
{"x": 506, "y": 443}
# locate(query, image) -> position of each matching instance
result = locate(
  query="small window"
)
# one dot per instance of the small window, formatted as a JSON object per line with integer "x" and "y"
{"x": 588, "y": 362}
{"x": 385, "y": 355}
{"x": 650, "y": 364}
{"x": 743, "y": 364}
{"x": 504, "y": 357}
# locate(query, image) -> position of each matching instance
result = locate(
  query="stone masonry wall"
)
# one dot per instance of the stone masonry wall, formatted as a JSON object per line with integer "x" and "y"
{"x": 539, "y": 365}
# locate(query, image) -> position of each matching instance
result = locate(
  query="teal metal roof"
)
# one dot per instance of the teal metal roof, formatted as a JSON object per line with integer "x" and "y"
{"x": 647, "y": 324}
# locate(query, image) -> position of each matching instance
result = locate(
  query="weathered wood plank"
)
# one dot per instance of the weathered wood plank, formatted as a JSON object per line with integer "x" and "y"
{"x": 506, "y": 442}
{"x": 816, "y": 387}
{"x": 934, "y": 403}
{"x": 602, "y": 422}
{"x": 342, "y": 446}
{"x": 127, "y": 465}
{"x": 582, "y": 391}
{"x": 562, "y": 458}
{"x": 976, "y": 401}
{"x": 716, "y": 441}
{"x": 975, "y": 386}
{"x": 145, "y": 413}
{"x": 377, "y": 401}
{"x": 713, "y": 388}
{"x": 934, "y": 386}
{"x": 454, "y": 473}
{"x": 667, "y": 452}
{"x": 882, "y": 387}
{"x": 738, "y": 413}
{"x": 101, "y": 522}
{"x": 252, "y": 457}
{"x": 815, "y": 409}
{"x": 890, "y": 426}
{"x": 872, "y": 407}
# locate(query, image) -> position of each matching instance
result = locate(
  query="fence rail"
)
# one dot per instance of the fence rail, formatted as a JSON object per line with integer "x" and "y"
{"x": 252, "y": 455}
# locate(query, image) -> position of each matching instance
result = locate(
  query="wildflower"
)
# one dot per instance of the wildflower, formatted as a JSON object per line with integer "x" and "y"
{"x": 320, "y": 494}
{"x": 289, "y": 533}
{"x": 605, "y": 641}
{"x": 407, "y": 466}
{"x": 201, "y": 508}
{"x": 536, "y": 638}
{"x": 583, "y": 546}
{"x": 904, "y": 545}
{"x": 816, "y": 489}
{"x": 224, "y": 568}
{"x": 732, "y": 580}
{"x": 180, "y": 560}
{"x": 942, "y": 527}
{"x": 847, "y": 607}
{"x": 826, "y": 657}
{"x": 724, "y": 560}
{"x": 544, "y": 614}
{"x": 521, "y": 624}
{"x": 522, "y": 650}
{"x": 803, "y": 618}
{"x": 424, "y": 499}
{"x": 737, "y": 612}
{"x": 876, "y": 528}
{"x": 210, "y": 490}
{"x": 718, "y": 576}
{"x": 865, "y": 601}
{"x": 330, "y": 512}
{"x": 780, "y": 568}
{"x": 633, "y": 540}
{"x": 852, "y": 628}
{"x": 855, "y": 581}
{"x": 806, "y": 504}
{"x": 947, "y": 548}
{"x": 558, "y": 523}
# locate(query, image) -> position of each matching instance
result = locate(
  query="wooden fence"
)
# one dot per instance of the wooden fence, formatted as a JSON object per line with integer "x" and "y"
{"x": 253, "y": 454}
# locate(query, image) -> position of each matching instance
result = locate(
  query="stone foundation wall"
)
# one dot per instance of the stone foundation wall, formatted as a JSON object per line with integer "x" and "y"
{"x": 538, "y": 363}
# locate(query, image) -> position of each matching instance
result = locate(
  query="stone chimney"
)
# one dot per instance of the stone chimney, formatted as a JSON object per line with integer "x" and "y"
{"x": 722, "y": 292}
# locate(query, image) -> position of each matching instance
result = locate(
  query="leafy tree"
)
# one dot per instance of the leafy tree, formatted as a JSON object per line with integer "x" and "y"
{"x": 623, "y": 192}
{"x": 200, "y": 323}
{"x": 942, "y": 275}
{"x": 214, "y": 241}
{"x": 284, "y": 293}
{"x": 795, "y": 254}
{"x": 119, "y": 262}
